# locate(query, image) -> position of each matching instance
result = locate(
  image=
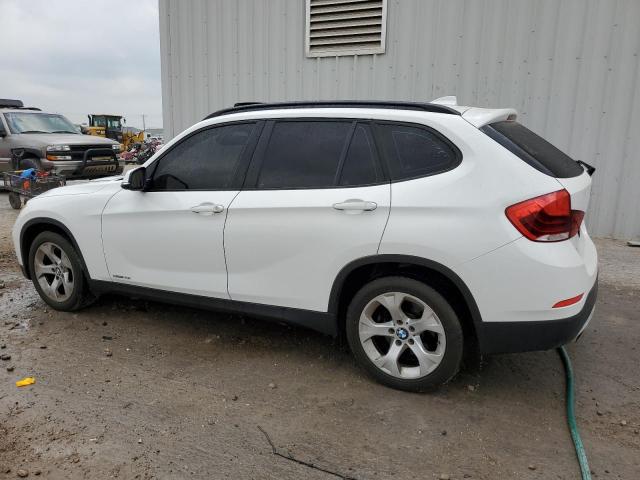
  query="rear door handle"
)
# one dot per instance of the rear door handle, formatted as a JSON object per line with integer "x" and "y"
{"x": 207, "y": 208}
{"x": 356, "y": 204}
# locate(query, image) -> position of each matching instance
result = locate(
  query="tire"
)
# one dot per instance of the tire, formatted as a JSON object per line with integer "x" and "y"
{"x": 53, "y": 258}
{"x": 15, "y": 201}
{"x": 29, "y": 162}
{"x": 384, "y": 336}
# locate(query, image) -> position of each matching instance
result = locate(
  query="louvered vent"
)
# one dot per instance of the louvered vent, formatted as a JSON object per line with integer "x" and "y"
{"x": 345, "y": 27}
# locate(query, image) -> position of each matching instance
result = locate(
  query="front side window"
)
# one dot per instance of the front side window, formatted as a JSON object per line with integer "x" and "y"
{"x": 417, "y": 152}
{"x": 317, "y": 154}
{"x": 206, "y": 160}
{"x": 23, "y": 122}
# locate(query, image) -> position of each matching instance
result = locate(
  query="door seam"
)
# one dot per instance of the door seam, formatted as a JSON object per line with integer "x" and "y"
{"x": 104, "y": 254}
{"x": 387, "y": 221}
{"x": 224, "y": 240}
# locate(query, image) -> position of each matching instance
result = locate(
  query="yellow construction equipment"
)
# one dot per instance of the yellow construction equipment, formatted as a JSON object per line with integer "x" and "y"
{"x": 111, "y": 126}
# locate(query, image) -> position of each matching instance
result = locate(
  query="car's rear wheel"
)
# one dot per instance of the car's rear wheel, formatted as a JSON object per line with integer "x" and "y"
{"x": 57, "y": 272}
{"x": 405, "y": 334}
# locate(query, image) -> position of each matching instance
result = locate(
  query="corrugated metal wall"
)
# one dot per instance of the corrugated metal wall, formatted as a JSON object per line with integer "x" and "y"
{"x": 570, "y": 67}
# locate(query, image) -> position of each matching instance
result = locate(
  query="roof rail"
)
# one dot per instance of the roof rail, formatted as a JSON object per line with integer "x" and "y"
{"x": 8, "y": 103}
{"x": 254, "y": 106}
{"x": 15, "y": 104}
{"x": 244, "y": 104}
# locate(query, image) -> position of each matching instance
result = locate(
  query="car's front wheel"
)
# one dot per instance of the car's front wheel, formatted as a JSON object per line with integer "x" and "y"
{"x": 405, "y": 334}
{"x": 56, "y": 272}
{"x": 29, "y": 162}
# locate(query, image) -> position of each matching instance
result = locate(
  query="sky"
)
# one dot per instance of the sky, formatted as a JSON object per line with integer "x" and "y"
{"x": 77, "y": 57}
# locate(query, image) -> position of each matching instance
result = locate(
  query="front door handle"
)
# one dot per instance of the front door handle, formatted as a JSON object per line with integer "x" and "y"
{"x": 207, "y": 208}
{"x": 356, "y": 205}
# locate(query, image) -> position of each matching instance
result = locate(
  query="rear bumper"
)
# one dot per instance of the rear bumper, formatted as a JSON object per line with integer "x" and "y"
{"x": 525, "y": 336}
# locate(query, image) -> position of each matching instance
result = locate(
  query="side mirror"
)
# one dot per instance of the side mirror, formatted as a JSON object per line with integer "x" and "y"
{"x": 3, "y": 132}
{"x": 134, "y": 179}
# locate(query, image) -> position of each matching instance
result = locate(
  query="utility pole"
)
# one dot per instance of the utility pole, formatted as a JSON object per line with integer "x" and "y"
{"x": 144, "y": 127}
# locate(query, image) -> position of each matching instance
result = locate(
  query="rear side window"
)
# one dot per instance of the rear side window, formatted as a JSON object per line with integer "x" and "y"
{"x": 417, "y": 152}
{"x": 206, "y": 160}
{"x": 533, "y": 149}
{"x": 317, "y": 154}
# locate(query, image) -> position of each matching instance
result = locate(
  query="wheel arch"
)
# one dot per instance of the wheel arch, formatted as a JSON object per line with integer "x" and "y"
{"x": 355, "y": 274}
{"x": 18, "y": 154}
{"x": 32, "y": 228}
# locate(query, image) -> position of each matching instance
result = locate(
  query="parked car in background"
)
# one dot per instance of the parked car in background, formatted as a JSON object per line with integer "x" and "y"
{"x": 30, "y": 138}
{"x": 418, "y": 230}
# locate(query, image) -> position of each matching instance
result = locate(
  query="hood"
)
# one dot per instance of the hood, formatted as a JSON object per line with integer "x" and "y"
{"x": 83, "y": 188}
{"x": 37, "y": 140}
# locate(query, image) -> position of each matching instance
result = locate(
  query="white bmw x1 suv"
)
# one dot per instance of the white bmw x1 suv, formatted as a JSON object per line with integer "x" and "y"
{"x": 419, "y": 230}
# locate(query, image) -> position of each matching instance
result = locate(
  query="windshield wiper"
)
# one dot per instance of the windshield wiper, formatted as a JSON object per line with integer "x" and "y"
{"x": 33, "y": 131}
{"x": 65, "y": 131}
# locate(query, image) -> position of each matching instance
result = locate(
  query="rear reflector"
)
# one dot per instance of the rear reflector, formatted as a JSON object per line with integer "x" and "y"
{"x": 547, "y": 218}
{"x": 568, "y": 301}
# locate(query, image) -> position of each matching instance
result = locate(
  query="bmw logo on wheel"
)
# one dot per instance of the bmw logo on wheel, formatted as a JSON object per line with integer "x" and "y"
{"x": 402, "y": 334}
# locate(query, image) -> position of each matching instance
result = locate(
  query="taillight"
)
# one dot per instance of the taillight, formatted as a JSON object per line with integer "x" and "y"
{"x": 547, "y": 218}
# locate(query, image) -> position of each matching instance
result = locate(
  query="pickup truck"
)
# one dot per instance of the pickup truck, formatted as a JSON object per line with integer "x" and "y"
{"x": 31, "y": 138}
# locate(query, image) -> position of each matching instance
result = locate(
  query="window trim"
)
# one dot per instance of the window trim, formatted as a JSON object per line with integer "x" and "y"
{"x": 243, "y": 163}
{"x": 253, "y": 173}
{"x": 344, "y": 52}
{"x": 387, "y": 147}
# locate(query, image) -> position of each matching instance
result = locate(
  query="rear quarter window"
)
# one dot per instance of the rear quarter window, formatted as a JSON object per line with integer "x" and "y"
{"x": 416, "y": 151}
{"x": 533, "y": 149}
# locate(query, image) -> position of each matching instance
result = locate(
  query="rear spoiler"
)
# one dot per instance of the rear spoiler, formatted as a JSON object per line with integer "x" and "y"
{"x": 479, "y": 117}
{"x": 590, "y": 169}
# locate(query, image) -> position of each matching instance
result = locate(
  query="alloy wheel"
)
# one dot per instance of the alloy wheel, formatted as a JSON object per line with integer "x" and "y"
{"x": 402, "y": 335}
{"x": 54, "y": 272}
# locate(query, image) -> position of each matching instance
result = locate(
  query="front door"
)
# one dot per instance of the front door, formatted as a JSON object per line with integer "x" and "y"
{"x": 170, "y": 236}
{"x": 315, "y": 199}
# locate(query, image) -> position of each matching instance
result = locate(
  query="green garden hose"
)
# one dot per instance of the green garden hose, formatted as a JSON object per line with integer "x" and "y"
{"x": 571, "y": 418}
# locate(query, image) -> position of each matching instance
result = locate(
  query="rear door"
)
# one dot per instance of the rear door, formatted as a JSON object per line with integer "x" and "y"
{"x": 315, "y": 199}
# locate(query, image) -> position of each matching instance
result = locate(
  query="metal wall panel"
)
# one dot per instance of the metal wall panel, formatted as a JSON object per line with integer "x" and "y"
{"x": 570, "y": 67}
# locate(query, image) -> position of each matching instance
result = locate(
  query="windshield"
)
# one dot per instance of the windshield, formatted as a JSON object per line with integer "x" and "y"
{"x": 113, "y": 123}
{"x": 23, "y": 122}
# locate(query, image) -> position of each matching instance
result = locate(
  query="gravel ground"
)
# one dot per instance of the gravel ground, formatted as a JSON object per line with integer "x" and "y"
{"x": 133, "y": 389}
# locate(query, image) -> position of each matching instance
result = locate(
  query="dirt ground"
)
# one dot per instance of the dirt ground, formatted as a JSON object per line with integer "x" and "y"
{"x": 132, "y": 389}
